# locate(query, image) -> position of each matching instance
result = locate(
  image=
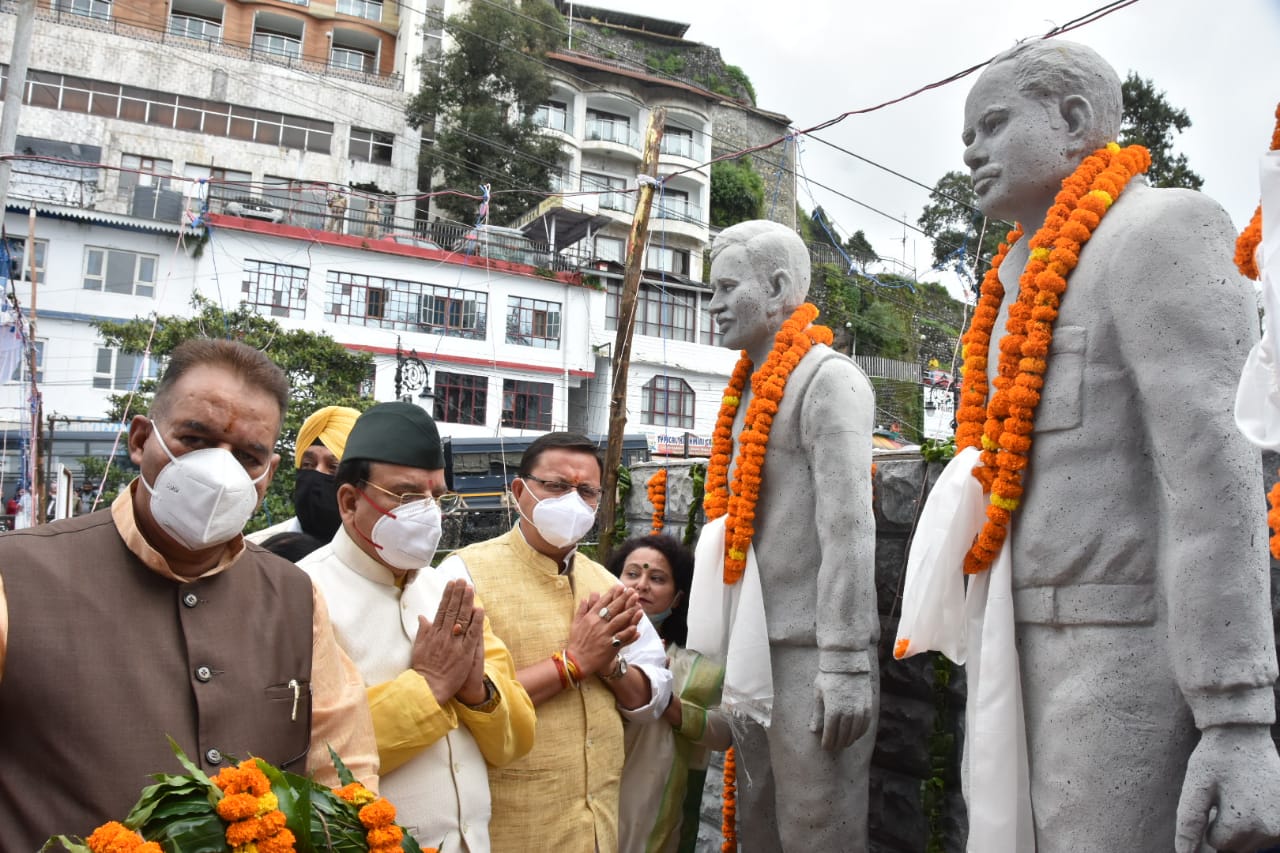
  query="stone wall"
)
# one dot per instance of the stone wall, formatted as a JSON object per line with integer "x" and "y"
{"x": 915, "y": 802}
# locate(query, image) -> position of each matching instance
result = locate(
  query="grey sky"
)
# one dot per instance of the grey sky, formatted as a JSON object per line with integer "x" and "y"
{"x": 815, "y": 59}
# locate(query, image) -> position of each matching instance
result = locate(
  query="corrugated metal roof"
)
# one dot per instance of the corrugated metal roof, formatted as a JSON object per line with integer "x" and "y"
{"x": 111, "y": 220}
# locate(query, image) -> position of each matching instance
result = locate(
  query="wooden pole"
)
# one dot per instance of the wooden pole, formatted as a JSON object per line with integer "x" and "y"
{"x": 36, "y": 489}
{"x": 626, "y": 321}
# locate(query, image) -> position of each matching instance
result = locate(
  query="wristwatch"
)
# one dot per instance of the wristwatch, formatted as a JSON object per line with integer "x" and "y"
{"x": 491, "y": 697}
{"x": 619, "y": 669}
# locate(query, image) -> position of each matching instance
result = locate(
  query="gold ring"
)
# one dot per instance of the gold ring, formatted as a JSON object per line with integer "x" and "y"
{"x": 616, "y": 642}
{"x": 457, "y": 629}
{"x": 604, "y": 613}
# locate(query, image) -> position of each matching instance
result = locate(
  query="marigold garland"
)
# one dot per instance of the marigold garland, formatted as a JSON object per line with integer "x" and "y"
{"x": 115, "y": 837}
{"x": 794, "y": 339}
{"x": 377, "y": 815}
{"x": 729, "y": 822}
{"x": 255, "y": 823}
{"x": 1001, "y": 423}
{"x": 1273, "y": 519}
{"x": 1251, "y": 236}
{"x": 657, "y": 489}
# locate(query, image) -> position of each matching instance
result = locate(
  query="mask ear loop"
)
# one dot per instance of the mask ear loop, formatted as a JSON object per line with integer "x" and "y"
{"x": 361, "y": 533}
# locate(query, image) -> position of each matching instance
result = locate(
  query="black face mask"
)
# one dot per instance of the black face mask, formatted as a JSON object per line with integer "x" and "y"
{"x": 315, "y": 500}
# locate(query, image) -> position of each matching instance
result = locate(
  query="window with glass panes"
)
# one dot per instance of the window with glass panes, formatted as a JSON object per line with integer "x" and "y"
{"x": 411, "y": 306}
{"x": 138, "y": 171}
{"x": 73, "y": 94}
{"x": 527, "y": 405}
{"x": 119, "y": 271}
{"x": 661, "y": 311}
{"x": 668, "y": 401}
{"x": 120, "y": 371}
{"x": 370, "y": 146}
{"x": 19, "y": 266}
{"x": 461, "y": 398}
{"x": 533, "y": 322}
{"x": 275, "y": 290}
{"x": 708, "y": 332}
{"x": 611, "y": 192}
{"x": 453, "y": 311}
{"x": 553, "y": 115}
{"x": 21, "y": 370}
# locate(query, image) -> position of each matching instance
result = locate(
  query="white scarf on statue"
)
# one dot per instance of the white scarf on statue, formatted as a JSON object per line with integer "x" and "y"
{"x": 727, "y": 624}
{"x": 975, "y": 628}
{"x": 1258, "y": 395}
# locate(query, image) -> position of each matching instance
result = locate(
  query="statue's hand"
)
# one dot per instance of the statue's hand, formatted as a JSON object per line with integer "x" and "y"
{"x": 1237, "y": 770}
{"x": 842, "y": 708}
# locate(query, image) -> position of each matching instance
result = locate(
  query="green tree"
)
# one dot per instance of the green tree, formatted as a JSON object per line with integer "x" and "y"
{"x": 1150, "y": 120}
{"x": 817, "y": 228}
{"x": 481, "y": 103}
{"x": 737, "y": 192}
{"x": 951, "y": 220}
{"x": 321, "y": 373}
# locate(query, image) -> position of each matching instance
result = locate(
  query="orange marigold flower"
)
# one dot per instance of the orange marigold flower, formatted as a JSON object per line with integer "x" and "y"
{"x": 282, "y": 842}
{"x": 237, "y": 806}
{"x": 385, "y": 836}
{"x": 115, "y": 837}
{"x": 377, "y": 814}
{"x": 243, "y": 832}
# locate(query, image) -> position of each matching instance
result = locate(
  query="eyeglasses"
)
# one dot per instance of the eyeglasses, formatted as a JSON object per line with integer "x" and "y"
{"x": 448, "y": 502}
{"x": 559, "y": 487}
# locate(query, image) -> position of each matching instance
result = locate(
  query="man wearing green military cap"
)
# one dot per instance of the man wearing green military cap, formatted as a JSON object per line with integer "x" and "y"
{"x": 441, "y": 685}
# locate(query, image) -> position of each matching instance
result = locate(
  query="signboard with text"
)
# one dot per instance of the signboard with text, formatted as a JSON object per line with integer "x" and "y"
{"x": 679, "y": 444}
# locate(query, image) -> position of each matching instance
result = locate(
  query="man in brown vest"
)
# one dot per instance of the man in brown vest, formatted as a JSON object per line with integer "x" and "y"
{"x": 155, "y": 618}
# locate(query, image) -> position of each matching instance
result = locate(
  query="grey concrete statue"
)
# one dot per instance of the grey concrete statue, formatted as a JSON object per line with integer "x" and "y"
{"x": 802, "y": 779}
{"x": 1141, "y": 593}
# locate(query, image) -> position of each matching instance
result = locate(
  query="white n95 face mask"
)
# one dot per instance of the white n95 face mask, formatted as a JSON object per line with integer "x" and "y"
{"x": 202, "y": 498}
{"x": 407, "y": 538}
{"x": 563, "y": 520}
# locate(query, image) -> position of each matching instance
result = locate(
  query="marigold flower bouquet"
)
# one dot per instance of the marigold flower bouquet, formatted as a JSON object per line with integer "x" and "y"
{"x": 250, "y": 808}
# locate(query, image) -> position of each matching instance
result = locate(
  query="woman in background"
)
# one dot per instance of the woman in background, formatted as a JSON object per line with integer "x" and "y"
{"x": 669, "y": 757}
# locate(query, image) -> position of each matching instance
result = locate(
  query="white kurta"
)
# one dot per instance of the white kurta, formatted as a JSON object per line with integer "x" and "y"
{"x": 441, "y": 795}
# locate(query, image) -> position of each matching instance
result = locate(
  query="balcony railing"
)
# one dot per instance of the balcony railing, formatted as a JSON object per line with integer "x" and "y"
{"x": 620, "y": 202}
{"x": 553, "y": 120}
{"x": 87, "y": 15}
{"x": 195, "y": 28}
{"x": 682, "y": 146}
{"x": 677, "y": 209}
{"x": 606, "y": 130}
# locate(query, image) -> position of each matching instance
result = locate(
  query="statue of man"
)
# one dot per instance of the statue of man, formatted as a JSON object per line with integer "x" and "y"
{"x": 1140, "y": 589}
{"x": 804, "y": 749}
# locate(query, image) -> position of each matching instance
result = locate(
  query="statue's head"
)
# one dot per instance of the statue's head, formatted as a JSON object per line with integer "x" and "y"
{"x": 1034, "y": 114}
{"x": 759, "y": 276}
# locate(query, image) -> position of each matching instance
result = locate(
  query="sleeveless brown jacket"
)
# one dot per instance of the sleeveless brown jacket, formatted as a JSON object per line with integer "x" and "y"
{"x": 105, "y": 658}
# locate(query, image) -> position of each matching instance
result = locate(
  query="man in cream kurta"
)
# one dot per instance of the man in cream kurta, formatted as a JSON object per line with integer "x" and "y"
{"x": 435, "y": 739}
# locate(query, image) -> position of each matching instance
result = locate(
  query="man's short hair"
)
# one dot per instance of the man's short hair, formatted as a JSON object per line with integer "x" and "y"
{"x": 770, "y": 246}
{"x": 353, "y": 471}
{"x": 251, "y": 365}
{"x": 571, "y": 441}
{"x": 1050, "y": 69}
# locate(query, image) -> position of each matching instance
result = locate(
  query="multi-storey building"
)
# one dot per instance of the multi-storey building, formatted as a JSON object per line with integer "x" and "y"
{"x": 272, "y": 136}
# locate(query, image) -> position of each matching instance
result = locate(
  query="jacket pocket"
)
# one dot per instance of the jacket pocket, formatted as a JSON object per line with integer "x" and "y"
{"x": 1062, "y": 398}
